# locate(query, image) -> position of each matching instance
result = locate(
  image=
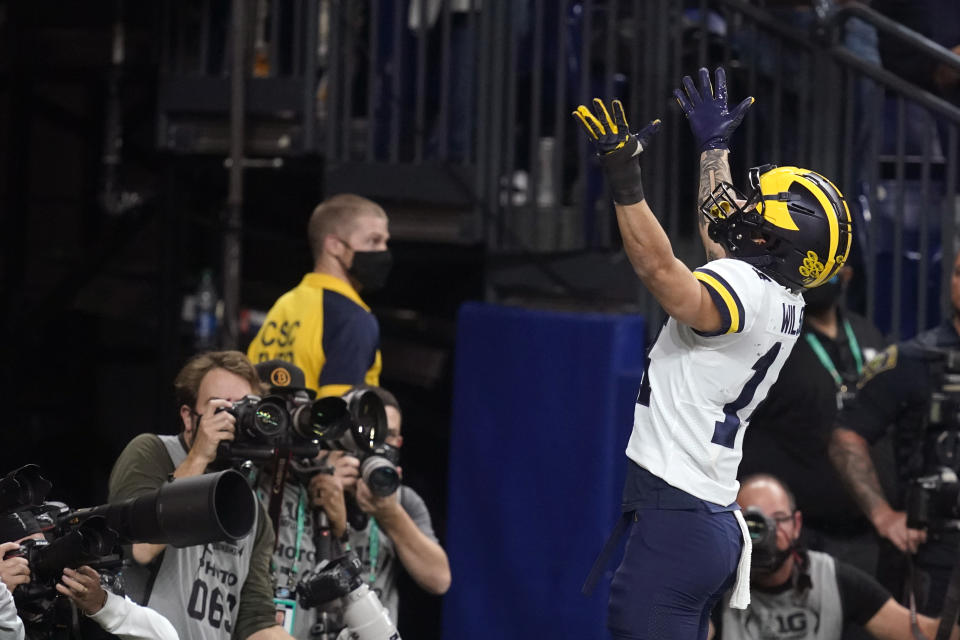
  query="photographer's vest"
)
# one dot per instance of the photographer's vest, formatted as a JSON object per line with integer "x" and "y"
{"x": 814, "y": 614}
{"x": 198, "y": 588}
{"x": 296, "y": 551}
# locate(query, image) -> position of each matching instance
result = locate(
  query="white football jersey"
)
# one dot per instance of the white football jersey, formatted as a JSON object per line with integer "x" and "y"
{"x": 699, "y": 390}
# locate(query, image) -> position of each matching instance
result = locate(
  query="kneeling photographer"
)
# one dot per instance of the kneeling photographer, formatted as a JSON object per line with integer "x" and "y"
{"x": 47, "y": 551}
{"x": 215, "y": 591}
{"x": 796, "y": 593}
{"x": 328, "y": 498}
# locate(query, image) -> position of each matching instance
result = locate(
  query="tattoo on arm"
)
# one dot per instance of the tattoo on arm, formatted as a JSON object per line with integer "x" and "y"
{"x": 855, "y": 466}
{"x": 714, "y": 169}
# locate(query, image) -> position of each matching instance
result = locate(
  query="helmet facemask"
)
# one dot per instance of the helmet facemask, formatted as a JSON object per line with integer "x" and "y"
{"x": 736, "y": 220}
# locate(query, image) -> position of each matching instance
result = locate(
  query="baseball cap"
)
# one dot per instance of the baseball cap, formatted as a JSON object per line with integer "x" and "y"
{"x": 283, "y": 377}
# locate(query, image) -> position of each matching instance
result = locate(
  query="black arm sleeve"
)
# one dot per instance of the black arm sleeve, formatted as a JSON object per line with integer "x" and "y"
{"x": 860, "y": 594}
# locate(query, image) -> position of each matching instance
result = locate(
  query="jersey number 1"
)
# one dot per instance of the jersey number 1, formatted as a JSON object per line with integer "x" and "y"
{"x": 724, "y": 433}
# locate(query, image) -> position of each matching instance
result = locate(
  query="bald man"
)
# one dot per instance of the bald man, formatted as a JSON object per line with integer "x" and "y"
{"x": 805, "y": 595}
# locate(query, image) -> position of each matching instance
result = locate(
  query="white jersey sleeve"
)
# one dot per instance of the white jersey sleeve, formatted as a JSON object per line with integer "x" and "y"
{"x": 736, "y": 291}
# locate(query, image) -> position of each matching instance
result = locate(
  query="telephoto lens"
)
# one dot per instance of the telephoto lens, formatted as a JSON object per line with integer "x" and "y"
{"x": 323, "y": 419}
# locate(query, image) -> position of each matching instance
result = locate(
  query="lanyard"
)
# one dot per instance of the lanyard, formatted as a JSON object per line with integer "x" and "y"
{"x": 374, "y": 549}
{"x": 825, "y": 360}
{"x": 301, "y": 517}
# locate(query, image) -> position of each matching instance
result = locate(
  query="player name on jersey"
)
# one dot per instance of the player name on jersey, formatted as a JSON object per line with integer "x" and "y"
{"x": 792, "y": 319}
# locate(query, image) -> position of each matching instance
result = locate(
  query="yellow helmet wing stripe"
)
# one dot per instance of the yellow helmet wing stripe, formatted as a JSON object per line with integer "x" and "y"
{"x": 726, "y": 299}
{"x": 776, "y": 212}
{"x": 830, "y": 263}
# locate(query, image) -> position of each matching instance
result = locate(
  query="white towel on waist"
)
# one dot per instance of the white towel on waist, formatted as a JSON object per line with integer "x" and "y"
{"x": 740, "y": 598}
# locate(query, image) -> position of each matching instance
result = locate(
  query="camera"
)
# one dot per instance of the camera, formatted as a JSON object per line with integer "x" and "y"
{"x": 364, "y": 616}
{"x": 357, "y": 424}
{"x": 92, "y": 542}
{"x": 184, "y": 512}
{"x": 933, "y": 488}
{"x": 294, "y": 424}
{"x": 766, "y": 557}
{"x": 23, "y": 486}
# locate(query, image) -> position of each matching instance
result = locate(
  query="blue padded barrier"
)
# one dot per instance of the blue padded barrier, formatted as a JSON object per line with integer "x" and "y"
{"x": 542, "y": 410}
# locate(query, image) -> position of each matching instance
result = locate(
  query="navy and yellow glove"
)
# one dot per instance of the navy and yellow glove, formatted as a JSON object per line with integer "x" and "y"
{"x": 710, "y": 121}
{"x": 617, "y": 148}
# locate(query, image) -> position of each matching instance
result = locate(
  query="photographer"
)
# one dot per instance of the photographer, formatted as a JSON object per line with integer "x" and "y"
{"x": 322, "y": 325}
{"x": 896, "y": 389}
{"x": 213, "y": 591}
{"x": 319, "y": 507}
{"x": 797, "y": 593}
{"x": 116, "y": 614}
{"x": 399, "y": 528}
{"x": 312, "y": 520}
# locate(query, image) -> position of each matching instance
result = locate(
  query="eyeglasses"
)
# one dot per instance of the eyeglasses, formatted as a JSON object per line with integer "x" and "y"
{"x": 782, "y": 518}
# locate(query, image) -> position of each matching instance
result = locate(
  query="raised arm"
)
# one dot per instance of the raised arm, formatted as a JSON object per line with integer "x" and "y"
{"x": 644, "y": 240}
{"x": 712, "y": 126}
{"x": 714, "y": 169}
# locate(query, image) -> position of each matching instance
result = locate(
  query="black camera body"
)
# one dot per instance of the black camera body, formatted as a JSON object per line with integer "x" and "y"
{"x": 185, "y": 512}
{"x": 765, "y": 556}
{"x": 88, "y": 542}
{"x": 357, "y": 424}
{"x": 933, "y": 490}
{"x": 290, "y": 423}
{"x": 340, "y": 580}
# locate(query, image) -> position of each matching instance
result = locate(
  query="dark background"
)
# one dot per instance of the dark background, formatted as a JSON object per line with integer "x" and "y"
{"x": 91, "y": 301}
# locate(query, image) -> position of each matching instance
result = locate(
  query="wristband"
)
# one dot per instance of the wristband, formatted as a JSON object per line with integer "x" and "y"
{"x": 623, "y": 175}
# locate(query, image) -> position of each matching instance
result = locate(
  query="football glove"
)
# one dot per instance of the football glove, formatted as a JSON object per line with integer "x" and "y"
{"x": 710, "y": 121}
{"x": 617, "y": 148}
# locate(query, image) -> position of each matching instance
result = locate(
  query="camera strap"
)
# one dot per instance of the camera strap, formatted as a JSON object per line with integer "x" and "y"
{"x": 301, "y": 520}
{"x": 951, "y": 605}
{"x": 373, "y": 538}
{"x": 912, "y": 598}
{"x": 281, "y": 462}
{"x": 825, "y": 359}
{"x": 951, "y": 602}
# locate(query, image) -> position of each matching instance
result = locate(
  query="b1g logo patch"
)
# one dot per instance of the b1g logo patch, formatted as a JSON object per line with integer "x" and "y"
{"x": 280, "y": 377}
{"x": 884, "y": 361}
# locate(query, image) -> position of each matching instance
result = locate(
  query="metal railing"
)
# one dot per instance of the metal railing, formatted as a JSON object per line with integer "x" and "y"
{"x": 467, "y": 103}
{"x": 530, "y": 178}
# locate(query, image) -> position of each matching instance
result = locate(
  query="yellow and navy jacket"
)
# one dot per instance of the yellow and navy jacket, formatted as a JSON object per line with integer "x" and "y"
{"x": 323, "y": 327}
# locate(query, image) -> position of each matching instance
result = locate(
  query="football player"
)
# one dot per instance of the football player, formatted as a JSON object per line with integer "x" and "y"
{"x": 731, "y": 326}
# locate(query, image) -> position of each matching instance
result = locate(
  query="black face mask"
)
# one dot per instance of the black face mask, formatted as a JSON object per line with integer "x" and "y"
{"x": 371, "y": 268}
{"x": 821, "y": 298}
{"x": 766, "y": 560}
